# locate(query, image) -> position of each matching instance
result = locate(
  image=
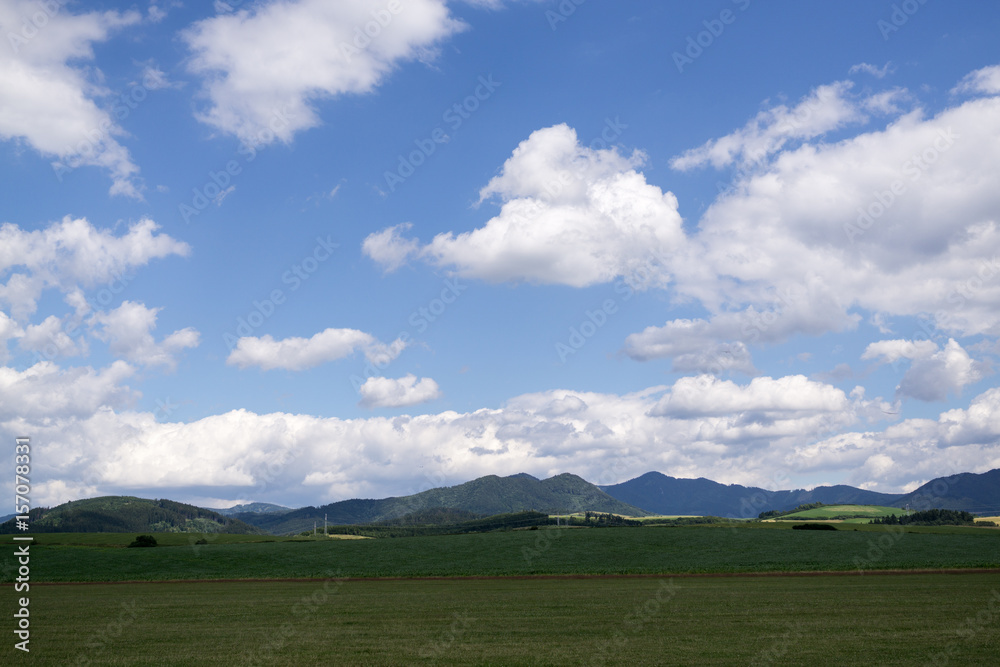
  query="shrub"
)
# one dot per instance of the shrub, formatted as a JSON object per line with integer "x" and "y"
{"x": 144, "y": 541}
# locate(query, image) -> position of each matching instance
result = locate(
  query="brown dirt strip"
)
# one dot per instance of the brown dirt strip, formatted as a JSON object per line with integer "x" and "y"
{"x": 679, "y": 575}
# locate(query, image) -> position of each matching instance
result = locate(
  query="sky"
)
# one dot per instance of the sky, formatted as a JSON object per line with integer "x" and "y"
{"x": 304, "y": 251}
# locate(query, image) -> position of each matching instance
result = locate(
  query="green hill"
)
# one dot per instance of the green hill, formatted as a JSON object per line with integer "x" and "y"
{"x": 250, "y": 508}
{"x": 842, "y": 512}
{"x": 128, "y": 514}
{"x": 486, "y": 496}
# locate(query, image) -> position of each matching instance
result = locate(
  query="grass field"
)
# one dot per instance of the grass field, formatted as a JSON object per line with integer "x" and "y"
{"x": 847, "y": 512}
{"x": 743, "y": 548}
{"x": 842, "y": 620}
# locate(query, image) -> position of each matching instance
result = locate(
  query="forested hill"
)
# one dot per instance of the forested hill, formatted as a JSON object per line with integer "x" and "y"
{"x": 485, "y": 496}
{"x": 127, "y": 514}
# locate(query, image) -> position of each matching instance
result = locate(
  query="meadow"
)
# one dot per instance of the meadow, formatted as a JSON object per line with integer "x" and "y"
{"x": 742, "y": 548}
{"x": 710, "y": 594}
{"x": 842, "y": 620}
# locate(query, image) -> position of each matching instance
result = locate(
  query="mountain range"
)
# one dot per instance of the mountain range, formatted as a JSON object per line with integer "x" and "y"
{"x": 661, "y": 494}
{"x": 651, "y": 493}
{"x": 128, "y": 514}
{"x": 487, "y": 495}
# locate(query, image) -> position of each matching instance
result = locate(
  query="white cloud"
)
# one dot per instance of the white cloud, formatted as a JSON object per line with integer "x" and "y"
{"x": 51, "y": 339}
{"x": 935, "y": 372}
{"x": 44, "y": 391}
{"x": 73, "y": 254}
{"x": 570, "y": 215}
{"x": 922, "y": 449}
{"x": 708, "y": 396}
{"x": 261, "y": 90}
{"x": 50, "y": 104}
{"x": 8, "y": 329}
{"x": 697, "y": 427}
{"x": 380, "y": 392}
{"x": 868, "y": 68}
{"x": 891, "y": 351}
{"x": 128, "y": 330}
{"x": 826, "y": 108}
{"x": 984, "y": 81}
{"x": 389, "y": 248}
{"x": 899, "y": 222}
{"x": 298, "y": 354}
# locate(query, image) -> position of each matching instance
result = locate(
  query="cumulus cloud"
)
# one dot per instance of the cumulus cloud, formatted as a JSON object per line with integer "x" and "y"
{"x": 296, "y": 354}
{"x": 388, "y": 247}
{"x": 51, "y": 338}
{"x": 380, "y": 392}
{"x": 961, "y": 440}
{"x": 825, "y": 109}
{"x": 706, "y": 395}
{"x": 899, "y": 222}
{"x": 8, "y": 329}
{"x": 868, "y": 68}
{"x": 72, "y": 254}
{"x": 696, "y": 427}
{"x": 260, "y": 90}
{"x": 128, "y": 330}
{"x": 570, "y": 215}
{"x": 934, "y": 373}
{"x": 45, "y": 391}
{"x": 985, "y": 81}
{"x": 50, "y": 104}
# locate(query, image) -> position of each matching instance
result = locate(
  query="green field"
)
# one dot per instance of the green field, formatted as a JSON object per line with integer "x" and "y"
{"x": 756, "y": 547}
{"x": 842, "y": 620}
{"x": 849, "y": 513}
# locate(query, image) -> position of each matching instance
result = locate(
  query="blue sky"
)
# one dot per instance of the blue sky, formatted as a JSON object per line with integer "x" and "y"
{"x": 250, "y": 252}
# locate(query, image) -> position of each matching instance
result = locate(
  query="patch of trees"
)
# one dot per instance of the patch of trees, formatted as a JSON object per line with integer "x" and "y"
{"x": 933, "y": 517}
{"x": 143, "y": 541}
{"x": 598, "y": 519}
{"x": 814, "y": 526}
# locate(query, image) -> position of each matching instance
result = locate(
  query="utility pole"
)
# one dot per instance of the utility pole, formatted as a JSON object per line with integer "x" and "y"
{"x": 324, "y": 525}
{"x": 314, "y": 529}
